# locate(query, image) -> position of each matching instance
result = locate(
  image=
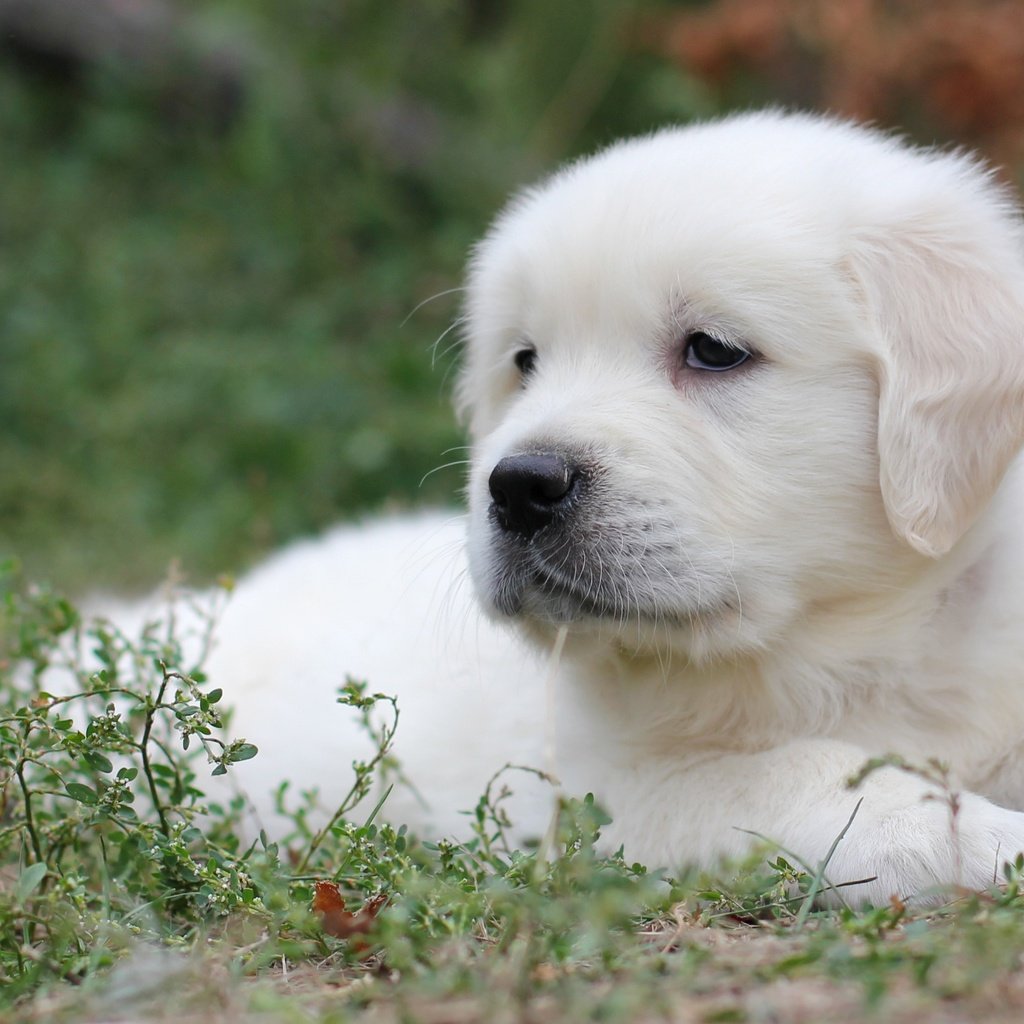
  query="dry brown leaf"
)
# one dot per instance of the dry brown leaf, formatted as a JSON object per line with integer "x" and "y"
{"x": 336, "y": 920}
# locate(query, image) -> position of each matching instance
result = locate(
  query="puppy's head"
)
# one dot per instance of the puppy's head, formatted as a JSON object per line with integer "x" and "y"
{"x": 722, "y": 375}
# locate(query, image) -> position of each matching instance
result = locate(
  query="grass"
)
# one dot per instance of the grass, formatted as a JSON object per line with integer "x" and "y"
{"x": 123, "y": 882}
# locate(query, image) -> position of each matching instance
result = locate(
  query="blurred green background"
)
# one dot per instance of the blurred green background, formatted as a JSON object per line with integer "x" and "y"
{"x": 230, "y": 230}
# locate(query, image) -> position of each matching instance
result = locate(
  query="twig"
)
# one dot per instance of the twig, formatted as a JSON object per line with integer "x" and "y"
{"x": 147, "y": 767}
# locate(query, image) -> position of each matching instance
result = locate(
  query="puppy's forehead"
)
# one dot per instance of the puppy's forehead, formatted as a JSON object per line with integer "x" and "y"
{"x": 716, "y": 217}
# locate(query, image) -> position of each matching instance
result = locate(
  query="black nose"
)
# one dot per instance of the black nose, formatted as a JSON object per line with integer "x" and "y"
{"x": 530, "y": 490}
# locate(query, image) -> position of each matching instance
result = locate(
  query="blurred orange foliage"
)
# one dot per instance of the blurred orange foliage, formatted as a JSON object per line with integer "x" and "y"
{"x": 944, "y": 69}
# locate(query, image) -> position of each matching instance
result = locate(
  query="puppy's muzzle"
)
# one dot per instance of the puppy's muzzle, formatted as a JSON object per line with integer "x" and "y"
{"x": 530, "y": 492}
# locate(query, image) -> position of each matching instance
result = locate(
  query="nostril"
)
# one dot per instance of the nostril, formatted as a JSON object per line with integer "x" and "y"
{"x": 554, "y": 485}
{"x": 528, "y": 491}
{"x": 498, "y": 495}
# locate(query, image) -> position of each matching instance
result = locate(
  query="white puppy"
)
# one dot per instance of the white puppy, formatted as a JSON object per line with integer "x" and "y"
{"x": 743, "y": 399}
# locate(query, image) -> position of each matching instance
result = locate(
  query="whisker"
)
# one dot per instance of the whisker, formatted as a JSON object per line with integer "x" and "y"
{"x": 434, "y": 355}
{"x": 437, "y": 469}
{"x": 430, "y": 298}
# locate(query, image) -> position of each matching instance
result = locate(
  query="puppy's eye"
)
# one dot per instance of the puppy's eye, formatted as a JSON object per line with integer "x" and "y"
{"x": 704, "y": 352}
{"x": 526, "y": 360}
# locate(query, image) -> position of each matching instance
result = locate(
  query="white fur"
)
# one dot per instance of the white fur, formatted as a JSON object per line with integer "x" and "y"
{"x": 812, "y": 560}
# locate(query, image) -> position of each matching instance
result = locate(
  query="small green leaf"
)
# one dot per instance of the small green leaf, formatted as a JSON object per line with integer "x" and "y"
{"x": 215, "y": 695}
{"x": 82, "y": 793}
{"x": 99, "y": 761}
{"x": 28, "y": 881}
{"x": 219, "y": 770}
{"x": 243, "y": 752}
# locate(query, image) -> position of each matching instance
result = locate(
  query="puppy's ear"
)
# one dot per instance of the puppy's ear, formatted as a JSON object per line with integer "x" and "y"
{"x": 943, "y": 280}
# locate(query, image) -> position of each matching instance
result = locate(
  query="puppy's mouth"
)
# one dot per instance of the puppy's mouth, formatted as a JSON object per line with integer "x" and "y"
{"x": 527, "y": 587}
{"x": 565, "y": 601}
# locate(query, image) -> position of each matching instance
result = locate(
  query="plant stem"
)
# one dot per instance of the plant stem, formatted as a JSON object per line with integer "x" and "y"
{"x": 363, "y": 774}
{"x": 147, "y": 768}
{"x": 29, "y": 822}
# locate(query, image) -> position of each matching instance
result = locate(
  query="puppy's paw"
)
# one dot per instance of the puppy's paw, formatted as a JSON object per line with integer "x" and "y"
{"x": 986, "y": 836}
{"x": 924, "y": 851}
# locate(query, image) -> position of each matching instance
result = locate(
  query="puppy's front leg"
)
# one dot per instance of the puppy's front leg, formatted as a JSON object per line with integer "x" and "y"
{"x": 903, "y": 837}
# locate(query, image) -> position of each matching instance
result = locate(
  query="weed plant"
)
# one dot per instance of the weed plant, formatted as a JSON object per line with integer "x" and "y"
{"x": 112, "y": 854}
{"x": 108, "y": 839}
